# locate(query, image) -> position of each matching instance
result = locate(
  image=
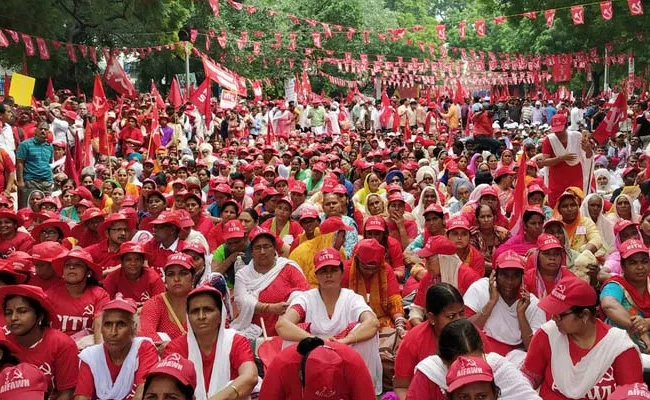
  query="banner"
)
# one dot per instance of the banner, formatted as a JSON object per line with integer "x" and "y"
{"x": 117, "y": 79}
{"x": 562, "y": 72}
{"x": 22, "y": 89}
{"x": 220, "y": 75}
{"x": 609, "y": 126}
{"x": 290, "y": 90}
{"x": 228, "y": 100}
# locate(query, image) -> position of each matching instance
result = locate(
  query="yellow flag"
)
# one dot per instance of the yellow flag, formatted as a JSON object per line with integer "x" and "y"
{"x": 21, "y": 89}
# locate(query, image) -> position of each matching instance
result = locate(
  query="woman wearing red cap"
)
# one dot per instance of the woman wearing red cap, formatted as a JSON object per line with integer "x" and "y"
{"x": 547, "y": 266}
{"x": 575, "y": 355}
{"x": 173, "y": 377}
{"x": 229, "y": 211}
{"x": 79, "y": 298}
{"x": 223, "y": 358}
{"x": 471, "y": 377}
{"x": 28, "y": 313}
{"x": 53, "y": 230}
{"x": 458, "y": 232}
{"x": 156, "y": 203}
{"x": 461, "y": 338}
{"x": 265, "y": 286}
{"x": 625, "y": 298}
{"x": 443, "y": 265}
{"x": 401, "y": 224}
{"x": 86, "y": 232}
{"x": 375, "y": 228}
{"x": 43, "y": 254}
{"x": 504, "y": 309}
{"x": 116, "y": 368}
{"x": 133, "y": 279}
{"x": 11, "y": 239}
{"x": 332, "y": 312}
{"x": 164, "y": 317}
{"x": 281, "y": 225}
{"x": 488, "y": 196}
{"x": 194, "y": 206}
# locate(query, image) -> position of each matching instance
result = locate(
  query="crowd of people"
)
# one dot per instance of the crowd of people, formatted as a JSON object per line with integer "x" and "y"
{"x": 323, "y": 249}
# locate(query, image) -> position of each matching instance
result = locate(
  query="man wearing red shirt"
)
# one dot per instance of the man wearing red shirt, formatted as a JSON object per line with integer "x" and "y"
{"x": 131, "y": 137}
{"x": 165, "y": 240}
{"x": 117, "y": 229}
{"x": 483, "y": 131}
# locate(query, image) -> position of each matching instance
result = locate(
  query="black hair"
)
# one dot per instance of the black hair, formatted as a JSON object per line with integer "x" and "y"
{"x": 7, "y": 278}
{"x": 217, "y": 300}
{"x": 305, "y": 347}
{"x": 252, "y": 213}
{"x": 477, "y": 211}
{"x": 160, "y": 179}
{"x": 529, "y": 214}
{"x": 577, "y": 310}
{"x": 39, "y": 310}
{"x": 459, "y": 338}
{"x": 237, "y": 175}
{"x": 269, "y": 236}
{"x": 440, "y": 296}
{"x": 186, "y": 390}
{"x": 483, "y": 177}
{"x": 95, "y": 191}
{"x": 418, "y": 154}
{"x": 495, "y": 388}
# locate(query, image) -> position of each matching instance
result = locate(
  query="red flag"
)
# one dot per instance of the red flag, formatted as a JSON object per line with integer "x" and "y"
{"x": 578, "y": 15}
{"x": 43, "y": 51}
{"x": 407, "y": 132}
{"x": 442, "y": 32}
{"x": 257, "y": 90}
{"x": 71, "y": 53}
{"x": 606, "y": 10}
{"x": 479, "y": 25}
{"x": 269, "y": 132}
{"x": 29, "y": 45}
{"x": 200, "y": 94}
{"x": 384, "y": 112}
{"x": 549, "y": 15}
{"x": 69, "y": 167}
{"x": 207, "y": 105}
{"x": 459, "y": 96}
{"x": 530, "y": 15}
{"x": 156, "y": 94}
{"x": 78, "y": 152}
{"x": 461, "y": 30}
{"x": 100, "y": 105}
{"x": 636, "y": 8}
{"x": 174, "y": 97}
{"x": 214, "y": 5}
{"x": 519, "y": 196}
{"x": 609, "y": 126}
{"x": 117, "y": 79}
{"x": 49, "y": 92}
{"x": 154, "y": 137}
{"x": 4, "y": 42}
{"x": 499, "y": 20}
{"x": 316, "y": 38}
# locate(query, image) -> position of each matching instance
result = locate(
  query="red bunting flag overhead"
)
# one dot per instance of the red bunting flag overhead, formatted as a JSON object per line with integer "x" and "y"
{"x": 214, "y": 5}
{"x": 461, "y": 30}
{"x": 442, "y": 32}
{"x": 220, "y": 75}
{"x": 578, "y": 15}
{"x": 499, "y": 20}
{"x": 636, "y": 8}
{"x": 549, "y": 16}
{"x": 606, "y": 10}
{"x": 71, "y": 53}
{"x": 29, "y": 45}
{"x": 43, "y": 51}
{"x": 117, "y": 79}
{"x": 316, "y": 37}
{"x": 479, "y": 25}
{"x": 608, "y": 128}
{"x": 4, "y": 42}
{"x": 257, "y": 90}
{"x": 530, "y": 15}
{"x": 328, "y": 31}
{"x": 235, "y": 5}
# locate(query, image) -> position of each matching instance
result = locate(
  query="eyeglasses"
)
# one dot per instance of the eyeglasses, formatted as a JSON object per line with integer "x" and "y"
{"x": 561, "y": 316}
{"x": 260, "y": 248}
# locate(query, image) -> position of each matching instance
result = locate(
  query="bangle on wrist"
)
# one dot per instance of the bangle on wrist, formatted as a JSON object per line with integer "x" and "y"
{"x": 233, "y": 387}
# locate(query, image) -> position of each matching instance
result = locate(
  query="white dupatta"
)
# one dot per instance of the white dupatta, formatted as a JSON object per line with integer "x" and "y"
{"x": 574, "y": 145}
{"x": 575, "y": 381}
{"x": 105, "y": 388}
{"x": 248, "y": 286}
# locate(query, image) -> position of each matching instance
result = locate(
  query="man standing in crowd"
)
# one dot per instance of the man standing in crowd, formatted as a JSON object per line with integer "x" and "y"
{"x": 33, "y": 171}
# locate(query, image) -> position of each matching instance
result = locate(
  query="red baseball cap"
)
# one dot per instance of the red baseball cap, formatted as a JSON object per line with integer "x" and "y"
{"x": 375, "y": 223}
{"x": 327, "y": 257}
{"x": 111, "y": 219}
{"x": 621, "y": 224}
{"x": 308, "y": 213}
{"x": 297, "y": 187}
{"x": 233, "y": 229}
{"x": 132, "y": 247}
{"x": 120, "y": 303}
{"x": 466, "y": 370}
{"x": 552, "y": 221}
{"x": 394, "y": 187}
{"x": 568, "y": 292}
{"x": 185, "y": 218}
{"x": 334, "y": 224}
{"x": 258, "y": 232}
{"x": 547, "y": 241}
{"x": 181, "y": 259}
{"x": 433, "y": 207}
{"x": 286, "y": 200}
{"x": 6, "y": 267}
{"x": 503, "y": 171}
{"x": 631, "y": 247}
{"x": 635, "y": 391}
{"x": 168, "y": 218}
{"x": 457, "y": 222}
{"x": 78, "y": 254}
{"x": 535, "y": 189}
{"x": 24, "y": 381}
{"x": 270, "y": 192}
{"x": 222, "y": 188}
{"x": 319, "y": 166}
{"x": 370, "y": 251}
{"x": 48, "y": 251}
{"x": 437, "y": 245}
{"x": 177, "y": 367}
{"x": 534, "y": 209}
{"x": 396, "y": 197}
{"x": 558, "y": 123}
{"x": 196, "y": 247}
{"x": 22, "y": 262}
{"x": 509, "y": 259}
{"x": 82, "y": 192}
{"x": 324, "y": 374}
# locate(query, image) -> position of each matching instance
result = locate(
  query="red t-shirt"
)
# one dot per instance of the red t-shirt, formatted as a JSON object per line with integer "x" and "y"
{"x": 466, "y": 276}
{"x": 625, "y": 369}
{"x": 155, "y": 318}
{"x": 75, "y": 314}
{"x": 85, "y": 236}
{"x": 21, "y": 242}
{"x": 215, "y": 236}
{"x": 395, "y": 255}
{"x": 56, "y": 356}
{"x": 240, "y": 352}
{"x": 103, "y": 256}
{"x": 530, "y": 281}
{"x": 423, "y": 388}
{"x": 147, "y": 359}
{"x": 157, "y": 256}
{"x": 6, "y": 167}
{"x": 203, "y": 225}
{"x": 282, "y": 381}
{"x": 142, "y": 289}
{"x": 35, "y": 280}
{"x": 410, "y": 226}
{"x": 133, "y": 134}
{"x": 561, "y": 175}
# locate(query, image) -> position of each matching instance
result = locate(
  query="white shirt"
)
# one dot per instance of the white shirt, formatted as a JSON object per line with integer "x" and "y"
{"x": 576, "y": 117}
{"x": 7, "y": 141}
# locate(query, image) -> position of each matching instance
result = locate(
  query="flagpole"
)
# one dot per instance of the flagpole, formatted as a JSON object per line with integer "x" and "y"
{"x": 187, "y": 70}
{"x": 606, "y": 74}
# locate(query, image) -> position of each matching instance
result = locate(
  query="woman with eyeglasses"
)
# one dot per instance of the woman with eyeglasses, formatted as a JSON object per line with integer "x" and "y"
{"x": 575, "y": 355}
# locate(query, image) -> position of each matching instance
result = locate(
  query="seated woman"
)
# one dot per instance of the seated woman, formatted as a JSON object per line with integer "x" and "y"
{"x": 537, "y": 197}
{"x": 53, "y": 230}
{"x": 11, "y": 239}
{"x": 556, "y": 228}
{"x": 582, "y": 232}
{"x": 309, "y": 220}
{"x": 200, "y": 258}
{"x": 229, "y": 211}
{"x": 163, "y": 317}
{"x": 526, "y": 240}
{"x": 399, "y": 222}
{"x": 332, "y": 312}
{"x": 79, "y": 297}
{"x": 43, "y": 254}
{"x": 488, "y": 237}
{"x": 547, "y": 266}
{"x": 156, "y": 203}
{"x": 28, "y": 313}
{"x": 443, "y": 265}
{"x": 624, "y": 208}
{"x": 133, "y": 279}
{"x": 223, "y": 359}
{"x": 461, "y": 189}
{"x": 575, "y": 355}
{"x": 87, "y": 231}
{"x": 375, "y": 228}
{"x": 372, "y": 184}
{"x": 194, "y": 206}
{"x": 347, "y": 377}
{"x": 173, "y": 377}
{"x": 471, "y": 377}
{"x": 458, "y": 230}
{"x": 625, "y": 298}
{"x": 428, "y": 197}
{"x": 504, "y": 309}
{"x": 593, "y": 207}
{"x": 434, "y": 224}
{"x": 461, "y": 338}
{"x": 265, "y": 286}
{"x": 375, "y": 206}
{"x": 624, "y": 230}
{"x": 503, "y": 178}
{"x": 281, "y": 225}
{"x": 488, "y": 196}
